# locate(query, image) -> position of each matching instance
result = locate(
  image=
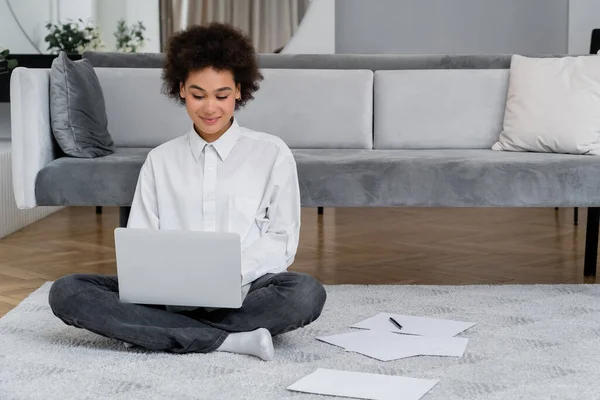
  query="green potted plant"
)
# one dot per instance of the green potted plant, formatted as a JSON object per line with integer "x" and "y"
{"x": 130, "y": 39}
{"x": 73, "y": 37}
{"x": 6, "y": 64}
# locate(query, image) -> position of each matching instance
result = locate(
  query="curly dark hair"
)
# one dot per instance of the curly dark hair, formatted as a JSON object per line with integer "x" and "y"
{"x": 217, "y": 45}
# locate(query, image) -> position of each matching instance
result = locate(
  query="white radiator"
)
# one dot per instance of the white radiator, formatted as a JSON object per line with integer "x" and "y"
{"x": 11, "y": 218}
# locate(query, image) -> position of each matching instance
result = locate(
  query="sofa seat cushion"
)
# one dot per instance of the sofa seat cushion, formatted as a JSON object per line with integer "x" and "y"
{"x": 447, "y": 178}
{"x": 102, "y": 181}
{"x": 354, "y": 178}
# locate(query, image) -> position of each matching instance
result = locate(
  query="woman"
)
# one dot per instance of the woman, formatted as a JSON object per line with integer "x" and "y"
{"x": 217, "y": 177}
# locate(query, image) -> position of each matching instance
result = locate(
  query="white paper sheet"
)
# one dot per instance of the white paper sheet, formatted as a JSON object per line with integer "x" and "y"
{"x": 375, "y": 344}
{"x": 383, "y": 352}
{"x": 412, "y": 325}
{"x": 387, "y": 346}
{"x": 350, "y": 338}
{"x": 362, "y": 385}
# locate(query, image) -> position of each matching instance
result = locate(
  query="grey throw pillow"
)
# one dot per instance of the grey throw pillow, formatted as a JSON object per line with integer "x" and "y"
{"x": 77, "y": 109}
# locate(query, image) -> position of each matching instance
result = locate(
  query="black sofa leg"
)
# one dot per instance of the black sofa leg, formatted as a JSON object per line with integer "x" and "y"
{"x": 320, "y": 210}
{"x": 591, "y": 241}
{"x": 98, "y": 209}
{"x": 124, "y": 216}
{"x": 576, "y": 216}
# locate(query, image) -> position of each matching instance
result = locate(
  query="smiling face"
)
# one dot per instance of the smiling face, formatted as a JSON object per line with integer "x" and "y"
{"x": 210, "y": 97}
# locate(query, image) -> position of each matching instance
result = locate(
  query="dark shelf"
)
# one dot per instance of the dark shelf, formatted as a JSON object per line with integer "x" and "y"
{"x": 29, "y": 61}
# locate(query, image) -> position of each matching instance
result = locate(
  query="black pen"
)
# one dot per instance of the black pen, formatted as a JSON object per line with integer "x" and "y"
{"x": 395, "y": 323}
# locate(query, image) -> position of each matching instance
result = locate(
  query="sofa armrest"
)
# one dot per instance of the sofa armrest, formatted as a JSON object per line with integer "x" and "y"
{"x": 33, "y": 145}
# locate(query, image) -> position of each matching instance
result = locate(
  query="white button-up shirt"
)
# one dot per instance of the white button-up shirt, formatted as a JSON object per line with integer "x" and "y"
{"x": 245, "y": 182}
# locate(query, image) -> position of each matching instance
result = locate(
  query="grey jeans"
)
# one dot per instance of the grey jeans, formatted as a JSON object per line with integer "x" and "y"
{"x": 278, "y": 302}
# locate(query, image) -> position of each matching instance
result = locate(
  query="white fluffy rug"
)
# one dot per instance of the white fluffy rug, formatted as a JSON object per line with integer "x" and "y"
{"x": 531, "y": 342}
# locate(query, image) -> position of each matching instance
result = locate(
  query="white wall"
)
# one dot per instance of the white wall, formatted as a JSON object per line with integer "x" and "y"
{"x": 74, "y": 9}
{"x": 316, "y": 32}
{"x": 33, "y": 15}
{"x": 109, "y": 12}
{"x": 584, "y": 15}
{"x": 146, "y": 11}
{"x": 451, "y": 26}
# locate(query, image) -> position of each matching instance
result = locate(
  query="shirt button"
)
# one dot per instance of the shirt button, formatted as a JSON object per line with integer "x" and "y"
{"x": 210, "y": 169}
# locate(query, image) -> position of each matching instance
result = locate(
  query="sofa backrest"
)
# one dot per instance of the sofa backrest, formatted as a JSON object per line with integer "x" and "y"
{"x": 138, "y": 115}
{"x": 300, "y": 106}
{"x": 420, "y": 100}
{"x": 326, "y": 109}
{"x": 439, "y": 109}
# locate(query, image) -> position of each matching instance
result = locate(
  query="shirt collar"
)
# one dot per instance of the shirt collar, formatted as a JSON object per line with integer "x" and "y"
{"x": 223, "y": 145}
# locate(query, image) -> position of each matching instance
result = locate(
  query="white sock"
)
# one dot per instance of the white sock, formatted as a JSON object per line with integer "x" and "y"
{"x": 256, "y": 343}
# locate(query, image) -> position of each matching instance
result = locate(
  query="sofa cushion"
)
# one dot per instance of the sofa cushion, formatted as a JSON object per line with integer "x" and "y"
{"x": 138, "y": 115}
{"x": 338, "y": 178}
{"x": 77, "y": 109}
{"x": 439, "y": 109}
{"x": 552, "y": 106}
{"x": 311, "y": 121}
{"x": 328, "y": 109}
{"x": 108, "y": 180}
{"x": 447, "y": 178}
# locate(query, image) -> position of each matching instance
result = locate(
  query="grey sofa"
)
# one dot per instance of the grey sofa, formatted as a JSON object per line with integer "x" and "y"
{"x": 366, "y": 131}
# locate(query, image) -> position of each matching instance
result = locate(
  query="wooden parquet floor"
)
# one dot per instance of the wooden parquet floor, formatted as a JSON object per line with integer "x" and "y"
{"x": 344, "y": 246}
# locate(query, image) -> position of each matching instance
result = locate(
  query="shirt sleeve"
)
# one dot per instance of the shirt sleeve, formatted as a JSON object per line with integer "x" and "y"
{"x": 277, "y": 247}
{"x": 144, "y": 208}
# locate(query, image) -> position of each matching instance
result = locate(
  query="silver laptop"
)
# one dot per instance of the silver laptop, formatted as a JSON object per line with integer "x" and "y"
{"x": 179, "y": 268}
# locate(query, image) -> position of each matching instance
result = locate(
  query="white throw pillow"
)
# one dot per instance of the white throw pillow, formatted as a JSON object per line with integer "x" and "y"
{"x": 553, "y": 105}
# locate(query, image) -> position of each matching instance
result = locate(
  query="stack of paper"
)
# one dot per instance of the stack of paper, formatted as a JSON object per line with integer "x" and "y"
{"x": 363, "y": 385}
{"x": 379, "y": 338}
